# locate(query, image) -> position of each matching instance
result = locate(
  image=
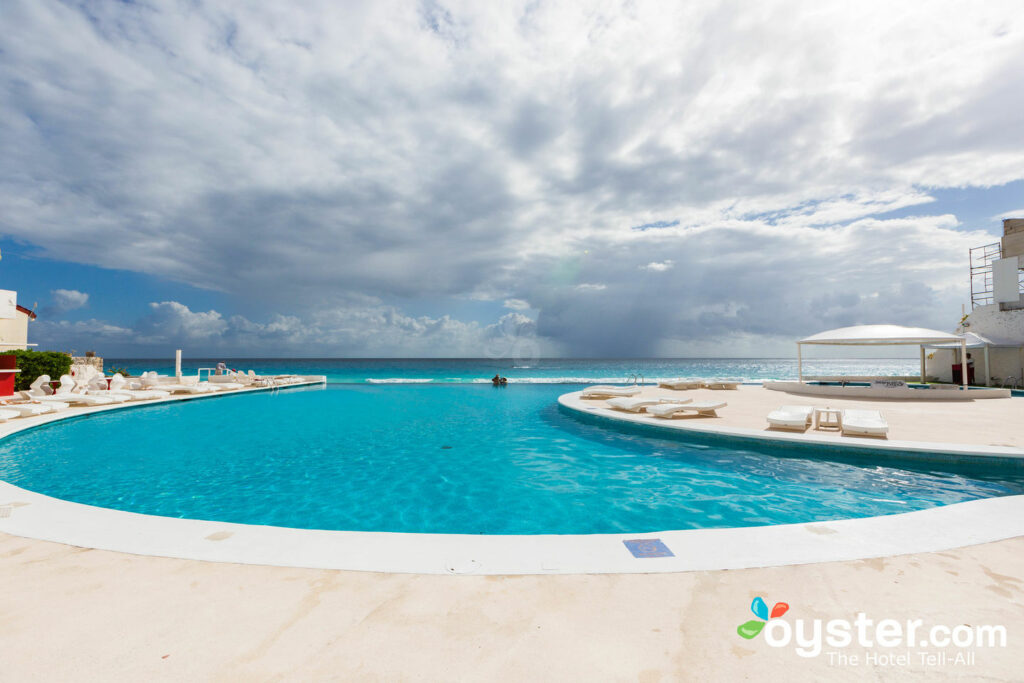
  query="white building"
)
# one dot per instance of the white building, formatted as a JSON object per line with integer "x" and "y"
{"x": 996, "y": 320}
{"x": 13, "y": 322}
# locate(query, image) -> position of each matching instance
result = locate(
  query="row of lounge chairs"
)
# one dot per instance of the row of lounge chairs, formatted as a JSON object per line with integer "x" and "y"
{"x": 611, "y": 391}
{"x": 699, "y": 383}
{"x": 794, "y": 418}
{"x": 90, "y": 388}
{"x": 665, "y": 407}
{"x": 853, "y": 422}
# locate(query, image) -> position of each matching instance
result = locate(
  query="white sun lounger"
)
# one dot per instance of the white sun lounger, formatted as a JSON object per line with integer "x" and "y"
{"x": 722, "y": 383}
{"x": 636, "y": 404}
{"x": 680, "y": 383}
{"x": 120, "y": 385}
{"x": 6, "y": 415}
{"x": 152, "y": 380}
{"x": 605, "y": 391}
{"x": 670, "y": 410}
{"x": 796, "y": 418}
{"x": 32, "y": 409}
{"x": 36, "y": 392}
{"x": 81, "y": 388}
{"x": 864, "y": 423}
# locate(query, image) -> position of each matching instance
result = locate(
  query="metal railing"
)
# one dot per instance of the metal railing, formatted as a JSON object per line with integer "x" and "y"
{"x": 981, "y": 258}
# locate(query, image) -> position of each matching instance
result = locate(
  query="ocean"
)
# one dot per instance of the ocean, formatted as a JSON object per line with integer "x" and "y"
{"x": 540, "y": 371}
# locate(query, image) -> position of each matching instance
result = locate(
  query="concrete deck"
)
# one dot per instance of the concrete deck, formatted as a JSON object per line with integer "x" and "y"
{"x": 989, "y": 425}
{"x": 90, "y": 615}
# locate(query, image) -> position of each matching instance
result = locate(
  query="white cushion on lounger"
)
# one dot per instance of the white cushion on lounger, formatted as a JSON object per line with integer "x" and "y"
{"x": 671, "y": 409}
{"x": 603, "y": 390}
{"x": 635, "y": 404}
{"x": 791, "y": 417}
{"x": 723, "y": 383}
{"x": 864, "y": 423}
{"x": 683, "y": 383}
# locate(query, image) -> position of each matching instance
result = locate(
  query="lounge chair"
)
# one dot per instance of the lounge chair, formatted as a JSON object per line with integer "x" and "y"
{"x": 151, "y": 380}
{"x": 605, "y": 391}
{"x": 722, "y": 383}
{"x": 33, "y": 409}
{"x": 671, "y": 410}
{"x": 120, "y": 385}
{"x": 6, "y": 415}
{"x": 71, "y": 387}
{"x": 864, "y": 423}
{"x": 795, "y": 418}
{"x": 636, "y": 404}
{"x": 680, "y": 383}
{"x": 37, "y": 392}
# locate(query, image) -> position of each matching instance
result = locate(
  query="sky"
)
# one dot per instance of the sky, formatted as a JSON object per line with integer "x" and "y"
{"x": 501, "y": 179}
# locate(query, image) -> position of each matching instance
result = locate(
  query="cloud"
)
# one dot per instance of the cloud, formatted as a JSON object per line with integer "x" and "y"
{"x": 65, "y": 300}
{"x": 297, "y": 160}
{"x": 379, "y": 331}
{"x": 658, "y": 266}
{"x": 517, "y": 304}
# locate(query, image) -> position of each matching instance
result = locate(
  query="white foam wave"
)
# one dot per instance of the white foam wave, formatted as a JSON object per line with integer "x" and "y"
{"x": 560, "y": 380}
{"x": 398, "y": 380}
{"x": 523, "y": 380}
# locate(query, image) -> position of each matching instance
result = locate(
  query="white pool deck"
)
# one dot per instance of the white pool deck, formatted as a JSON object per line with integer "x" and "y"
{"x": 582, "y": 607}
{"x": 32, "y": 515}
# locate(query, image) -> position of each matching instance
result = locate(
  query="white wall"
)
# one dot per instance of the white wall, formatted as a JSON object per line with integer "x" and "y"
{"x": 988, "y": 321}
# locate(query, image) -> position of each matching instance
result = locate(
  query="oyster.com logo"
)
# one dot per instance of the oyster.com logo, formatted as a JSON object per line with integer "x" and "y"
{"x": 751, "y": 628}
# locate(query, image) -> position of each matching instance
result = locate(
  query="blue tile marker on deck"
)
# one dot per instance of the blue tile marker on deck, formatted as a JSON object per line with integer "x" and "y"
{"x": 648, "y": 547}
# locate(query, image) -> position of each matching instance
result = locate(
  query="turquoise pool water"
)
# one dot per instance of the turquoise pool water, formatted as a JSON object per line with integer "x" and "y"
{"x": 449, "y": 459}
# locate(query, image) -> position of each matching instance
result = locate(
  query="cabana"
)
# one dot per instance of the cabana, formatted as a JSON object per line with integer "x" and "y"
{"x": 881, "y": 335}
{"x": 976, "y": 341}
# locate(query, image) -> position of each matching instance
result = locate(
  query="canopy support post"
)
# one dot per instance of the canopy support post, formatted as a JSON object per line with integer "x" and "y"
{"x": 799, "y": 363}
{"x": 963, "y": 362}
{"x": 988, "y": 373}
{"x": 922, "y": 365}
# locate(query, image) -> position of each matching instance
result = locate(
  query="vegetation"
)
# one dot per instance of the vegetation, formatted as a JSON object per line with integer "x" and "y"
{"x": 35, "y": 363}
{"x": 113, "y": 371}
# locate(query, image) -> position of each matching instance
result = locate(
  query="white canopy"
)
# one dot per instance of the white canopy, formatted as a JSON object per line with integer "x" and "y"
{"x": 882, "y": 335}
{"x": 977, "y": 341}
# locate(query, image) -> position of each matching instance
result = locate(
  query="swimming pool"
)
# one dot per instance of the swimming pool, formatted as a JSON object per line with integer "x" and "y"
{"x": 450, "y": 459}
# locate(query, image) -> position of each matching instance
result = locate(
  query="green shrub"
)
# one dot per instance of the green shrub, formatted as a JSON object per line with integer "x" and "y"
{"x": 113, "y": 371}
{"x": 35, "y": 363}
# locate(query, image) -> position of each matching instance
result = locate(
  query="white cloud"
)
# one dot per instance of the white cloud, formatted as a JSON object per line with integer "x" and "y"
{"x": 517, "y": 304}
{"x": 65, "y": 300}
{"x": 301, "y": 158}
{"x": 353, "y": 331}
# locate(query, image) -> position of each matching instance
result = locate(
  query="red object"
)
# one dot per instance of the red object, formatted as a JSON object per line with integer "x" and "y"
{"x": 8, "y": 373}
{"x": 7, "y": 383}
{"x": 779, "y": 609}
{"x": 958, "y": 373}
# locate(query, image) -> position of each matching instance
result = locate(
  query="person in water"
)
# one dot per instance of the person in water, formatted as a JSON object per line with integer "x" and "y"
{"x": 498, "y": 380}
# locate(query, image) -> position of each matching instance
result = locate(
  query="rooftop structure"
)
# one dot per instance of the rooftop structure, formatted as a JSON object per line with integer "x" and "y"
{"x": 996, "y": 275}
{"x": 14, "y": 321}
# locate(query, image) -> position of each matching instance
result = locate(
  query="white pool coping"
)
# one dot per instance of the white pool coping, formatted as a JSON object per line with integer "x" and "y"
{"x": 32, "y": 515}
